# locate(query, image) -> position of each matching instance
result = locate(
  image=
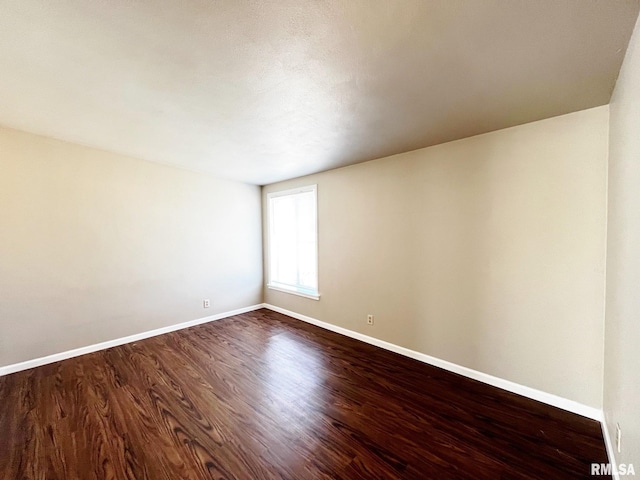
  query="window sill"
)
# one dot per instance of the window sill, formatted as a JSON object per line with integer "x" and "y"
{"x": 294, "y": 292}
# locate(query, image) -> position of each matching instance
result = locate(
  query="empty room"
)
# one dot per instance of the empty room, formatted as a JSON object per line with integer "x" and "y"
{"x": 368, "y": 239}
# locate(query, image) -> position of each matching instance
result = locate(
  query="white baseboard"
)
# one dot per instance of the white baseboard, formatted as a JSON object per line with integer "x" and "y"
{"x": 56, "y": 357}
{"x": 544, "y": 397}
{"x": 608, "y": 443}
{"x": 548, "y": 398}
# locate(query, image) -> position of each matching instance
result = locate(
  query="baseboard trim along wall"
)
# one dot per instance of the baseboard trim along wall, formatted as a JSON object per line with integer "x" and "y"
{"x": 548, "y": 398}
{"x": 56, "y": 357}
{"x": 544, "y": 397}
{"x": 608, "y": 443}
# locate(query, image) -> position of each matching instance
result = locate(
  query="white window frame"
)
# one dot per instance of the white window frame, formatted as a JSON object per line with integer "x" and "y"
{"x": 275, "y": 285}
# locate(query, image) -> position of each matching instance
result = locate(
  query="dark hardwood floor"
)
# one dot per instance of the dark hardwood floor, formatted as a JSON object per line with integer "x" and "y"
{"x": 261, "y": 395}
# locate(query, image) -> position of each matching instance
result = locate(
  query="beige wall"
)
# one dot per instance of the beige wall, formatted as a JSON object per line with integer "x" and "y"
{"x": 487, "y": 252}
{"x": 622, "y": 335}
{"x": 95, "y": 246}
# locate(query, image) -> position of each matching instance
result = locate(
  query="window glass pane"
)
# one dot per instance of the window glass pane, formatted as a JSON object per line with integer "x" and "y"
{"x": 293, "y": 241}
{"x": 284, "y": 245}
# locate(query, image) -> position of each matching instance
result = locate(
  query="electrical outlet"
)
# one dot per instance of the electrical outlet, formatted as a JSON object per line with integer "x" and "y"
{"x": 206, "y": 303}
{"x": 369, "y": 319}
{"x": 618, "y": 437}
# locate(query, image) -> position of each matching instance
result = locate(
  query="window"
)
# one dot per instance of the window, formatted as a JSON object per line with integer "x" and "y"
{"x": 293, "y": 241}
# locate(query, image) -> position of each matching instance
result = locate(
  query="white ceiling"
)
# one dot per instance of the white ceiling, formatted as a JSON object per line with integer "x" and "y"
{"x": 262, "y": 91}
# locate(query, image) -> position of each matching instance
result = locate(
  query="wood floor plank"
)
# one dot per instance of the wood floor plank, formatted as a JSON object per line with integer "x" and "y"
{"x": 264, "y": 396}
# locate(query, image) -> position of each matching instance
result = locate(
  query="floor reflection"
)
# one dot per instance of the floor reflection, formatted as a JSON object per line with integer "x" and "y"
{"x": 293, "y": 382}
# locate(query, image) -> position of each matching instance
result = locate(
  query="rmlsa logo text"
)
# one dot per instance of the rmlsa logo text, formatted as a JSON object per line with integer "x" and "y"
{"x": 608, "y": 469}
